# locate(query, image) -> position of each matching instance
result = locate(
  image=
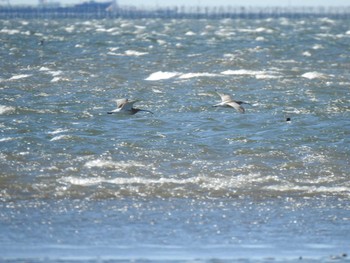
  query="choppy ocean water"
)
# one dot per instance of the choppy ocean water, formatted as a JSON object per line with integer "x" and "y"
{"x": 190, "y": 182}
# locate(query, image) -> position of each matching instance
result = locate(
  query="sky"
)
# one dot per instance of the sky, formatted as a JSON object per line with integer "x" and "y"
{"x": 198, "y": 2}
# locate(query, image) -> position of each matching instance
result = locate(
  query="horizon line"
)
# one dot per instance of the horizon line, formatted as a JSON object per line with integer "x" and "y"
{"x": 58, "y": 4}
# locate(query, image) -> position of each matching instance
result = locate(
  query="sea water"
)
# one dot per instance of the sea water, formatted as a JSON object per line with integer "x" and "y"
{"x": 191, "y": 182}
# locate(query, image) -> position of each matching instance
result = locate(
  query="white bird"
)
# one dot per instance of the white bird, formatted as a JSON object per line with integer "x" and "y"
{"x": 227, "y": 101}
{"x": 126, "y": 106}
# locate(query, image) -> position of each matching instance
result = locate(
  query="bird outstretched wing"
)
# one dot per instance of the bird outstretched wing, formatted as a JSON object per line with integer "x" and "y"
{"x": 242, "y": 102}
{"x": 236, "y": 106}
{"x": 121, "y": 102}
{"x": 128, "y": 105}
{"x": 125, "y": 104}
{"x": 224, "y": 97}
{"x": 227, "y": 101}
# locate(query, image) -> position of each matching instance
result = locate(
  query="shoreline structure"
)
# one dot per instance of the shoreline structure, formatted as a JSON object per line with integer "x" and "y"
{"x": 100, "y": 10}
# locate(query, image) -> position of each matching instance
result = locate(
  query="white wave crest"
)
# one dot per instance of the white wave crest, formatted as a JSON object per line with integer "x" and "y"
{"x": 256, "y": 30}
{"x": 19, "y": 76}
{"x": 6, "y": 109}
{"x": 9, "y": 31}
{"x": 55, "y": 73}
{"x": 195, "y": 75}
{"x": 242, "y": 72}
{"x": 57, "y": 79}
{"x": 306, "y": 54}
{"x": 7, "y": 139}
{"x": 58, "y": 131}
{"x": 60, "y": 137}
{"x": 266, "y": 76}
{"x": 135, "y": 53}
{"x": 70, "y": 29}
{"x": 112, "y": 164}
{"x": 314, "y": 75}
{"x": 127, "y": 181}
{"x": 160, "y": 75}
{"x": 259, "y": 74}
{"x": 190, "y": 33}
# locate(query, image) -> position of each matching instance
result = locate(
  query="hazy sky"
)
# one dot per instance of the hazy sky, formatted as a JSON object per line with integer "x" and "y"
{"x": 200, "y": 2}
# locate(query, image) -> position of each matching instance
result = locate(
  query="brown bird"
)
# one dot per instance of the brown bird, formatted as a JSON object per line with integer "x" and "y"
{"x": 126, "y": 106}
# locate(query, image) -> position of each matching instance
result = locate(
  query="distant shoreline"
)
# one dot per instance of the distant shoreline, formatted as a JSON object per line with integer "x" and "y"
{"x": 192, "y": 12}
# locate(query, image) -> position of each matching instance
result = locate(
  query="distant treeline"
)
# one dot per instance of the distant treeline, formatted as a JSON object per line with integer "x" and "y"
{"x": 198, "y": 12}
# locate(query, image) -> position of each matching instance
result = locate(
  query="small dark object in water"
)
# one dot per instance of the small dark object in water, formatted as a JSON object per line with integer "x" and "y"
{"x": 288, "y": 119}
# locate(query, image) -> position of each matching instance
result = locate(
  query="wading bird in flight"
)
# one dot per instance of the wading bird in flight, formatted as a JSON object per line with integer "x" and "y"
{"x": 126, "y": 106}
{"x": 227, "y": 101}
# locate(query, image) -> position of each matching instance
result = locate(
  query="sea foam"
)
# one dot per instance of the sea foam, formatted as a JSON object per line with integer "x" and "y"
{"x": 258, "y": 74}
{"x": 19, "y": 76}
{"x": 127, "y": 181}
{"x": 195, "y": 75}
{"x": 6, "y": 109}
{"x": 314, "y": 75}
{"x": 160, "y": 75}
{"x": 135, "y": 53}
{"x": 112, "y": 164}
{"x": 61, "y": 137}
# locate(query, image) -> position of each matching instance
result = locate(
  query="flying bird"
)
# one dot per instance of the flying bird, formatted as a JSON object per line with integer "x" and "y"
{"x": 126, "y": 106}
{"x": 227, "y": 101}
